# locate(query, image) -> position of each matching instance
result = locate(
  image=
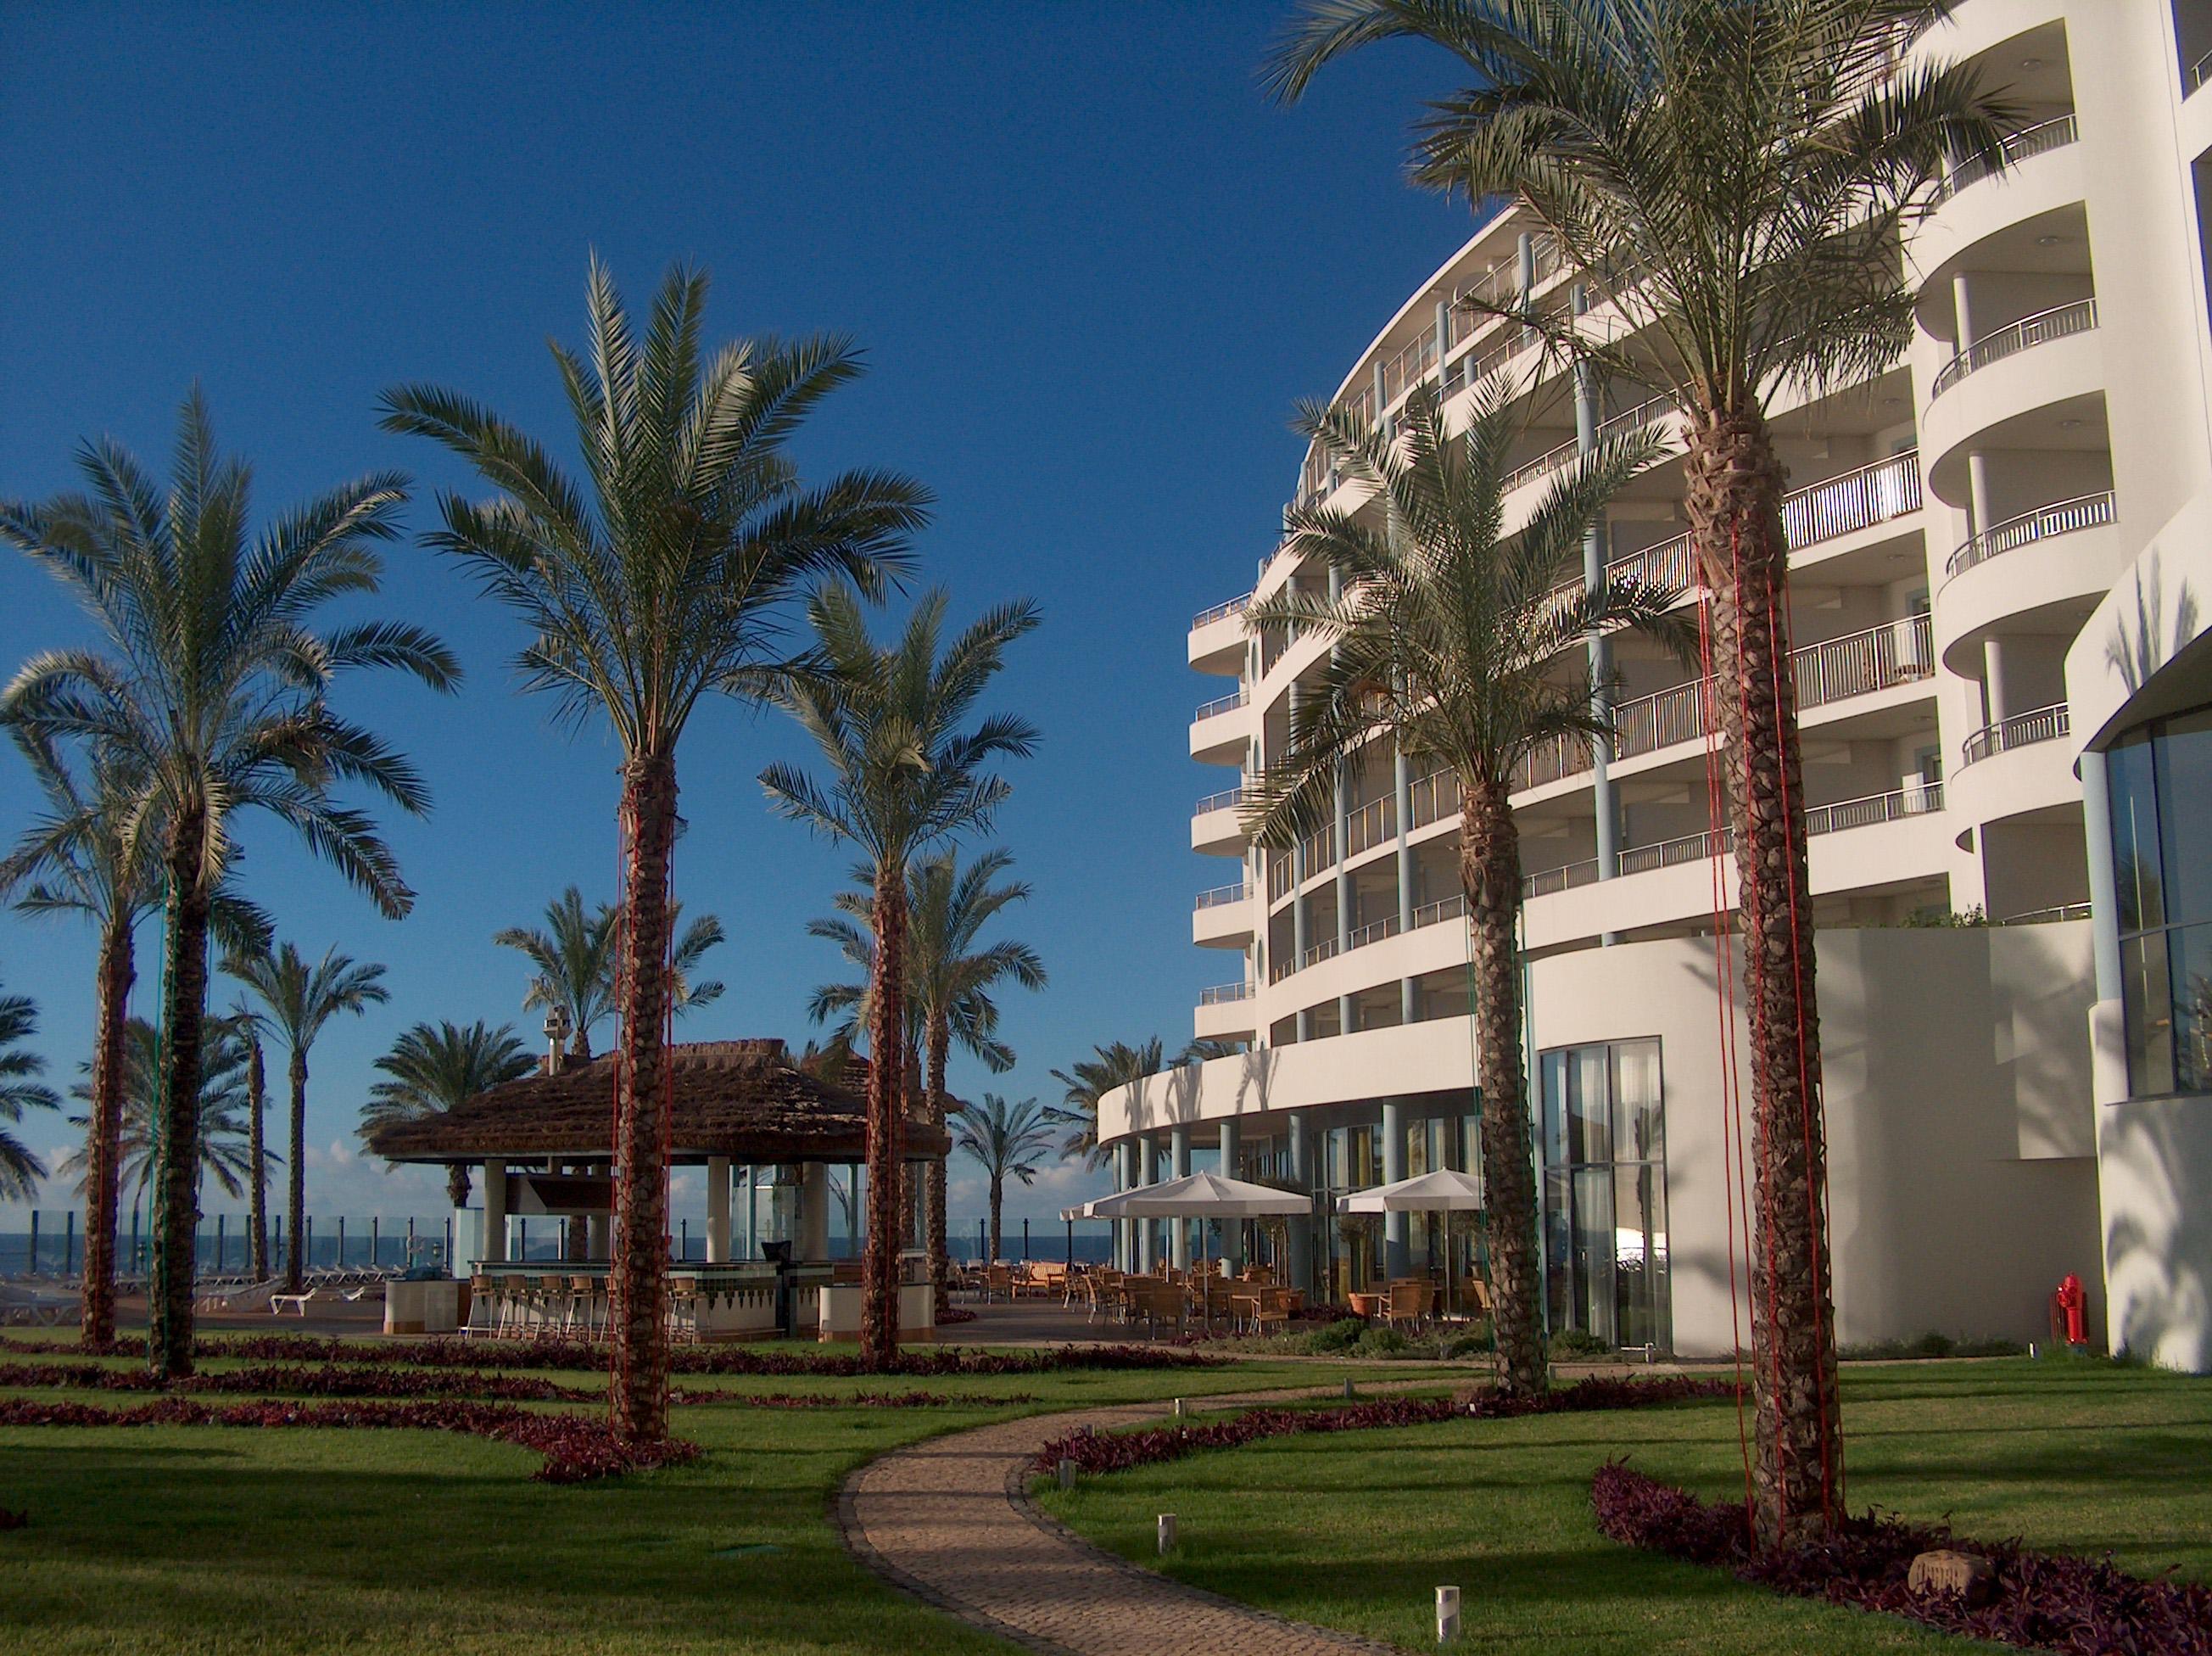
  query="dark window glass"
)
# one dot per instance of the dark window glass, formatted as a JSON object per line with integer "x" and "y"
{"x": 2189, "y": 968}
{"x": 2130, "y": 781}
{"x": 2147, "y": 994}
{"x": 1605, "y": 1192}
{"x": 2184, "y": 807}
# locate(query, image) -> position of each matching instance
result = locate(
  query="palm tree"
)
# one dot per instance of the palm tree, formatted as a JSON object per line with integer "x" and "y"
{"x": 19, "y": 1090}
{"x": 256, "y": 1142}
{"x": 903, "y": 776}
{"x": 578, "y": 962}
{"x": 297, "y": 1000}
{"x": 432, "y": 1070}
{"x": 661, "y": 581}
{"x": 1733, "y": 174}
{"x": 1091, "y": 1079}
{"x": 949, "y": 980}
{"x": 95, "y": 852}
{"x": 219, "y": 693}
{"x": 225, "y": 1152}
{"x": 1008, "y": 1140}
{"x": 1446, "y": 640}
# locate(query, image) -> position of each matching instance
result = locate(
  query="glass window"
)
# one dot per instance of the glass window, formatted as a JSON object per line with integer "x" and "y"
{"x": 1605, "y": 1191}
{"x": 2184, "y": 807}
{"x": 2160, "y": 784}
{"x": 2135, "y": 834}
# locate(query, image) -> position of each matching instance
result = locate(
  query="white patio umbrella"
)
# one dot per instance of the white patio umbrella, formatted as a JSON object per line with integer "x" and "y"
{"x": 1201, "y": 1195}
{"x": 1441, "y": 1191}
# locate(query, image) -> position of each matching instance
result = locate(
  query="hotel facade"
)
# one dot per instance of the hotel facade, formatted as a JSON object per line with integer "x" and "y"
{"x": 2002, "y": 591}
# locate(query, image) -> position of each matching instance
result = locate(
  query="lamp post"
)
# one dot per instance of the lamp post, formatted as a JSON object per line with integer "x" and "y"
{"x": 556, "y": 1039}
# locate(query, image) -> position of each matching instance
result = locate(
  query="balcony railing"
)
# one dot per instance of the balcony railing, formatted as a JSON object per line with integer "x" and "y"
{"x": 2060, "y": 518}
{"x": 1227, "y": 800}
{"x": 1225, "y": 995}
{"x": 2045, "y": 724}
{"x": 1432, "y": 798}
{"x": 1560, "y": 878}
{"x": 1401, "y": 371}
{"x": 1222, "y": 896}
{"x": 1279, "y": 868}
{"x": 1373, "y": 932}
{"x": 2046, "y": 136}
{"x": 1893, "y": 807}
{"x": 2045, "y": 916}
{"x": 1228, "y": 703}
{"x": 2059, "y": 322}
{"x": 1370, "y": 824}
{"x": 1554, "y": 459}
{"x": 1221, "y": 611}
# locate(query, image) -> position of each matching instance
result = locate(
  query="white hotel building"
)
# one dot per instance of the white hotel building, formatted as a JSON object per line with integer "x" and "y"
{"x": 2001, "y": 555}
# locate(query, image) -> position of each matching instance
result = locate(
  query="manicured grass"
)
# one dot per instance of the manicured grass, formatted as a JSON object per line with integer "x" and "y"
{"x": 1357, "y": 1529}
{"x": 207, "y": 1539}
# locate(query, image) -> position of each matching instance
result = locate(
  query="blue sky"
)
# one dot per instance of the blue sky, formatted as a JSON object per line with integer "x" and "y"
{"x": 1091, "y": 266}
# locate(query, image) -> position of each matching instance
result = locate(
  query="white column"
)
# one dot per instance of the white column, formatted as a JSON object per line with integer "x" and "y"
{"x": 1179, "y": 1165}
{"x": 1980, "y": 518}
{"x": 1232, "y": 1230}
{"x": 718, "y": 1210}
{"x": 494, "y": 1210}
{"x": 1998, "y": 700}
{"x": 1962, "y": 311}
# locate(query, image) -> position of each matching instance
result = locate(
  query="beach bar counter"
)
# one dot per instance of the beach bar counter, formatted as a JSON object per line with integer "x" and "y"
{"x": 765, "y": 1132}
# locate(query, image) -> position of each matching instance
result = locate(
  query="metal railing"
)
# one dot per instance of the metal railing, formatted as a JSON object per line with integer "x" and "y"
{"x": 1373, "y": 823}
{"x": 2060, "y": 518}
{"x": 2039, "y": 139}
{"x": 2045, "y": 916}
{"x": 1650, "y": 722}
{"x": 2045, "y": 724}
{"x": 1432, "y": 914}
{"x": 1376, "y": 931}
{"x": 1893, "y": 807}
{"x": 1227, "y": 800}
{"x": 1222, "y": 896}
{"x": 2059, "y": 322}
{"x": 1551, "y": 459}
{"x": 1673, "y": 853}
{"x": 1856, "y": 500}
{"x": 1228, "y": 703}
{"x": 1559, "y": 757}
{"x": 1279, "y": 869}
{"x": 2200, "y": 71}
{"x": 1373, "y": 932}
{"x": 1894, "y": 652}
{"x": 1221, "y": 611}
{"x": 1401, "y": 371}
{"x": 1319, "y": 846}
{"x": 1560, "y": 878}
{"x": 1225, "y": 993}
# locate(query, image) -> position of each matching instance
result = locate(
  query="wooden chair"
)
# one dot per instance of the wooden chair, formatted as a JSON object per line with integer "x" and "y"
{"x": 683, "y": 1308}
{"x": 1409, "y": 1302}
{"x": 999, "y": 1280}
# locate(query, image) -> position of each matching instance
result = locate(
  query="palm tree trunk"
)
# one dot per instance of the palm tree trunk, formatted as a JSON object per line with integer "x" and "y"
{"x": 295, "y": 1176}
{"x": 176, "y": 1215}
{"x": 1734, "y": 505}
{"x": 257, "y": 1153}
{"x": 879, "y": 1270}
{"x": 638, "y": 1278}
{"x": 457, "y": 1184}
{"x": 998, "y": 1201}
{"x": 103, "y": 1137}
{"x": 940, "y": 1047}
{"x": 1490, "y": 873}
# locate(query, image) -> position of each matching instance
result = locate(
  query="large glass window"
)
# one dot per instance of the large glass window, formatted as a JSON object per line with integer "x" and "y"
{"x": 1605, "y": 1192}
{"x": 2159, "y": 779}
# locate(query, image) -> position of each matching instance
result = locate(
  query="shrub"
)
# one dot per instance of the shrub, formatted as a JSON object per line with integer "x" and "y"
{"x": 1381, "y": 1343}
{"x": 1930, "y": 1344}
{"x": 1339, "y": 1336}
{"x": 1577, "y": 1342}
{"x": 2038, "y": 1601}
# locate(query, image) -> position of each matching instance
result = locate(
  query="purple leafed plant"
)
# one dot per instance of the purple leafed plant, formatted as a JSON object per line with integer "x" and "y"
{"x": 2038, "y": 1601}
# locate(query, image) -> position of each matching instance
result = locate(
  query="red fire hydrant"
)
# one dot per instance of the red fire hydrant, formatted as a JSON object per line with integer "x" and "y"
{"x": 2070, "y": 1306}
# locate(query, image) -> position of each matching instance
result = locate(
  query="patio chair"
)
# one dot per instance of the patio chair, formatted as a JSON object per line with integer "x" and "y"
{"x": 1409, "y": 1303}
{"x": 298, "y": 1302}
{"x": 683, "y": 1308}
{"x": 1158, "y": 1302}
{"x": 999, "y": 1280}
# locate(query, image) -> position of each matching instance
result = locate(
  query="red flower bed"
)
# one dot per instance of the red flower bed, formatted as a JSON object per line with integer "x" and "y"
{"x": 2038, "y": 1601}
{"x": 1118, "y": 1452}
{"x": 683, "y": 1360}
{"x": 329, "y": 1380}
{"x": 575, "y": 1448}
{"x": 700, "y": 1394}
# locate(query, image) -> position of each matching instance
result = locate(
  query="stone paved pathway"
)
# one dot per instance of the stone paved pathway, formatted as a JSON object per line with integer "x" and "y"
{"x": 950, "y": 1520}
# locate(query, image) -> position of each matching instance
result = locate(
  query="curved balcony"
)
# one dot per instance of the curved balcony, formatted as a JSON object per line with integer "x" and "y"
{"x": 1225, "y": 995}
{"x": 1222, "y": 896}
{"x": 1222, "y": 918}
{"x": 1222, "y": 611}
{"x": 2063, "y": 517}
{"x": 2039, "y": 139}
{"x": 1562, "y": 456}
{"x": 1215, "y": 827}
{"x": 2045, "y": 724}
{"x": 2059, "y": 322}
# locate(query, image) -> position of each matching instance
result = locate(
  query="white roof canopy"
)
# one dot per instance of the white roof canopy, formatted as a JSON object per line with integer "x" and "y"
{"x": 1442, "y": 1191}
{"x": 1199, "y": 1195}
{"x": 1082, "y": 1211}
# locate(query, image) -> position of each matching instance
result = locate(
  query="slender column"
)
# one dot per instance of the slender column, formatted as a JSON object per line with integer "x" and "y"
{"x": 1525, "y": 265}
{"x": 752, "y": 1212}
{"x": 1378, "y": 391}
{"x": 1998, "y": 700}
{"x": 1125, "y": 1235}
{"x": 1299, "y": 1265}
{"x": 1444, "y": 341}
{"x": 1980, "y": 517}
{"x": 2108, "y": 1057}
{"x": 1148, "y": 1230}
{"x": 1179, "y": 1167}
{"x": 1393, "y": 1169}
{"x": 1343, "y": 868}
{"x": 1401, "y": 783}
{"x": 495, "y": 1212}
{"x": 1588, "y": 415}
{"x": 718, "y": 1210}
{"x": 1963, "y": 311}
{"x": 1232, "y": 1230}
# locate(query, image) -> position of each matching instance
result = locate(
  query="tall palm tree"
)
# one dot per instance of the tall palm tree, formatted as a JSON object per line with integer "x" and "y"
{"x": 256, "y": 1141}
{"x": 660, "y": 580}
{"x": 94, "y": 852}
{"x": 1091, "y": 1080}
{"x": 218, "y": 691}
{"x": 431, "y": 1070}
{"x": 297, "y": 1000}
{"x": 1009, "y": 1141}
{"x": 20, "y": 1170}
{"x": 949, "y": 980}
{"x": 579, "y": 963}
{"x": 903, "y": 776}
{"x": 1734, "y": 174}
{"x": 225, "y": 1154}
{"x": 1447, "y": 640}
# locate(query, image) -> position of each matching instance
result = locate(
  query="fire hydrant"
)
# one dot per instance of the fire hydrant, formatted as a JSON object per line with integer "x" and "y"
{"x": 2070, "y": 1306}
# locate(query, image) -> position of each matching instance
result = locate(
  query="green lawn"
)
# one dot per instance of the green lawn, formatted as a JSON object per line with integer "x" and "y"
{"x": 175, "y": 1539}
{"x": 1357, "y": 1529}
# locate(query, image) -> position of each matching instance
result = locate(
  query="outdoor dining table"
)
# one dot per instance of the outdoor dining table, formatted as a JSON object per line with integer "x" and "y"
{"x": 1366, "y": 1306}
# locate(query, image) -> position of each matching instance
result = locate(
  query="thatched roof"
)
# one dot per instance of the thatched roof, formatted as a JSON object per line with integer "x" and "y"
{"x": 743, "y": 1100}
